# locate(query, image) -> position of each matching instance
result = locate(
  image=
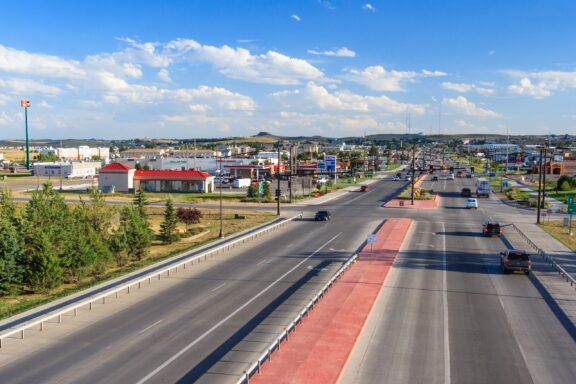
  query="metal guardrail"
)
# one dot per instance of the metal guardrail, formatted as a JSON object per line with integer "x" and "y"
{"x": 127, "y": 287}
{"x": 549, "y": 259}
{"x": 275, "y": 345}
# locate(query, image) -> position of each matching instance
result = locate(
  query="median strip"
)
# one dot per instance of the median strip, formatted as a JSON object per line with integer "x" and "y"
{"x": 318, "y": 351}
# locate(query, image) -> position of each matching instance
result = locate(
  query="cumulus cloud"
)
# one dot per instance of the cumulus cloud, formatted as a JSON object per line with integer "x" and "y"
{"x": 315, "y": 96}
{"x": 204, "y": 98}
{"x": 238, "y": 63}
{"x": 465, "y": 88}
{"x": 340, "y": 52}
{"x": 295, "y": 17}
{"x": 369, "y": 7}
{"x": 463, "y": 105}
{"x": 164, "y": 75}
{"x": 21, "y": 62}
{"x": 542, "y": 84}
{"x": 5, "y": 119}
{"x": 380, "y": 79}
{"x": 28, "y": 87}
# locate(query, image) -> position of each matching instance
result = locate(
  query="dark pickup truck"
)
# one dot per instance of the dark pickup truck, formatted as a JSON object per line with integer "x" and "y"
{"x": 491, "y": 228}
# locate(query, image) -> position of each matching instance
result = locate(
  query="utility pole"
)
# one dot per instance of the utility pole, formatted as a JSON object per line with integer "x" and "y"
{"x": 221, "y": 217}
{"x": 544, "y": 176}
{"x": 539, "y": 188}
{"x": 278, "y": 190}
{"x": 413, "y": 158}
{"x": 290, "y": 174}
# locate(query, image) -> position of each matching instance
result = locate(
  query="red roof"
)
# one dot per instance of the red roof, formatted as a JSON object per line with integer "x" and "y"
{"x": 115, "y": 167}
{"x": 172, "y": 174}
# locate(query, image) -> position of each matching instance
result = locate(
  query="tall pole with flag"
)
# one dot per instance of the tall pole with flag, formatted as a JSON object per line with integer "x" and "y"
{"x": 26, "y": 104}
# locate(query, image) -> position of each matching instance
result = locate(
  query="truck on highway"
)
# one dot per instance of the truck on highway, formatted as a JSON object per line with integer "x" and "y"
{"x": 241, "y": 183}
{"x": 482, "y": 187}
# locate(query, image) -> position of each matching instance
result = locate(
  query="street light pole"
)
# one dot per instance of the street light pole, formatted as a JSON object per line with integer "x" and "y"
{"x": 221, "y": 218}
{"x": 278, "y": 190}
{"x": 26, "y": 104}
{"x": 539, "y": 188}
{"x": 544, "y": 176}
{"x": 413, "y": 158}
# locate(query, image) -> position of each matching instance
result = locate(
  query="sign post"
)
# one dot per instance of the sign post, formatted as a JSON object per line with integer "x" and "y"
{"x": 571, "y": 211}
{"x": 371, "y": 240}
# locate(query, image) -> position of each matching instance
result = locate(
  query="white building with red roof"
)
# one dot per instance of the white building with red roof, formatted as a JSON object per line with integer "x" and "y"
{"x": 122, "y": 178}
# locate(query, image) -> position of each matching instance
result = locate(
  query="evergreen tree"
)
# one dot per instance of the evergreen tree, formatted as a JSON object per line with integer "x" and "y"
{"x": 118, "y": 243}
{"x": 8, "y": 208}
{"x": 140, "y": 201}
{"x": 43, "y": 265}
{"x": 12, "y": 260}
{"x": 136, "y": 231}
{"x": 168, "y": 231}
{"x": 266, "y": 190}
{"x": 252, "y": 191}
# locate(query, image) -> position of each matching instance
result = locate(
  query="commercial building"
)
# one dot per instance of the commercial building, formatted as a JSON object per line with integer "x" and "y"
{"x": 82, "y": 152}
{"x": 122, "y": 178}
{"x": 142, "y": 152}
{"x": 69, "y": 170}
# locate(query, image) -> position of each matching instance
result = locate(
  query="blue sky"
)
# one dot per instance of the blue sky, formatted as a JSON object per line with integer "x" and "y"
{"x": 184, "y": 69}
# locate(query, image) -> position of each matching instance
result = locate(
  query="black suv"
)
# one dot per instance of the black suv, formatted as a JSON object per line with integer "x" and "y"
{"x": 512, "y": 260}
{"x": 491, "y": 228}
{"x": 322, "y": 216}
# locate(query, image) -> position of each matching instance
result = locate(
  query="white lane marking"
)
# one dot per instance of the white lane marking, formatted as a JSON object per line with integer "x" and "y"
{"x": 264, "y": 261}
{"x": 218, "y": 324}
{"x": 218, "y": 287}
{"x": 445, "y": 305}
{"x": 150, "y": 326}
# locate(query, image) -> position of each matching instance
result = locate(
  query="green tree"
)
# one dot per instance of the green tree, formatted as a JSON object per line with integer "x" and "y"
{"x": 140, "y": 202}
{"x": 47, "y": 157}
{"x": 43, "y": 268}
{"x": 8, "y": 209}
{"x": 373, "y": 151}
{"x": 12, "y": 259}
{"x": 266, "y": 190}
{"x": 137, "y": 232}
{"x": 168, "y": 231}
{"x": 252, "y": 191}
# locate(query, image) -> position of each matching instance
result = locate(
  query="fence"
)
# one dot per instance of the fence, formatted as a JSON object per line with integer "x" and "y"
{"x": 138, "y": 281}
{"x": 549, "y": 259}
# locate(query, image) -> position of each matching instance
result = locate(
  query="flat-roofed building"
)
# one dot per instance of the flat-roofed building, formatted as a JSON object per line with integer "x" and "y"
{"x": 142, "y": 152}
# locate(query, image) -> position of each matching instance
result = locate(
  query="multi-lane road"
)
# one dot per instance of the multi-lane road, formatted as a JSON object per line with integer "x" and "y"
{"x": 446, "y": 314}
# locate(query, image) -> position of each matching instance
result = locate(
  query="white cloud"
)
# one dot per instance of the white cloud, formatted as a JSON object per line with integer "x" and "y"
{"x": 22, "y": 62}
{"x": 526, "y": 88}
{"x": 340, "y": 52}
{"x": 164, "y": 75}
{"x": 204, "y": 98}
{"x": 427, "y": 73}
{"x": 5, "y": 119}
{"x": 542, "y": 84}
{"x": 29, "y": 87}
{"x": 315, "y": 96}
{"x": 379, "y": 79}
{"x": 295, "y": 17}
{"x": 369, "y": 7}
{"x": 238, "y": 63}
{"x": 465, "y": 88}
{"x": 463, "y": 105}
{"x": 44, "y": 104}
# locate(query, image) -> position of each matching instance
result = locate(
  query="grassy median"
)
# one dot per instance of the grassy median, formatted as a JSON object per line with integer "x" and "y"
{"x": 557, "y": 230}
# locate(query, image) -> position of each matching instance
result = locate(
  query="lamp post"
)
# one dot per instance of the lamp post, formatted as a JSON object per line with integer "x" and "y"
{"x": 221, "y": 218}
{"x": 539, "y": 188}
{"x": 26, "y": 104}
{"x": 278, "y": 190}
{"x": 413, "y": 158}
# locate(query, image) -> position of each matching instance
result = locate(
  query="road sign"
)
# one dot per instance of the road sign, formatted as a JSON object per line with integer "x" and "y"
{"x": 505, "y": 184}
{"x": 492, "y": 174}
{"x": 371, "y": 239}
{"x": 330, "y": 163}
{"x": 571, "y": 205}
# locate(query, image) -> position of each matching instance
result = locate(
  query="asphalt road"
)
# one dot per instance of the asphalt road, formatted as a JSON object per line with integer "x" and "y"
{"x": 447, "y": 314}
{"x": 206, "y": 324}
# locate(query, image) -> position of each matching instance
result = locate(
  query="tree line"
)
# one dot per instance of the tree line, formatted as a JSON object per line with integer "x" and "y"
{"x": 48, "y": 242}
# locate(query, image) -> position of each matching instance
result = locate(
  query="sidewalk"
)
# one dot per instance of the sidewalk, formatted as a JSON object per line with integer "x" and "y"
{"x": 318, "y": 351}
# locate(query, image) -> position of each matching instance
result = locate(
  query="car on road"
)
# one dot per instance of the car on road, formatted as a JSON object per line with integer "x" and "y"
{"x": 459, "y": 174}
{"x": 471, "y": 204}
{"x": 396, "y": 178}
{"x": 512, "y": 260}
{"x": 491, "y": 228}
{"x": 468, "y": 176}
{"x": 450, "y": 177}
{"x": 466, "y": 192}
{"x": 408, "y": 178}
{"x": 322, "y": 216}
{"x": 434, "y": 178}
{"x": 363, "y": 188}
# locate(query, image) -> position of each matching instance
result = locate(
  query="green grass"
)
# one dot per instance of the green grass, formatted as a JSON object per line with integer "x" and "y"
{"x": 556, "y": 230}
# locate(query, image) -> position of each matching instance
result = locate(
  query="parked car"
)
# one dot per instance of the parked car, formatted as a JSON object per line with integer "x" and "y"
{"x": 491, "y": 228}
{"x": 471, "y": 204}
{"x": 363, "y": 188}
{"x": 322, "y": 216}
{"x": 466, "y": 192}
{"x": 512, "y": 260}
